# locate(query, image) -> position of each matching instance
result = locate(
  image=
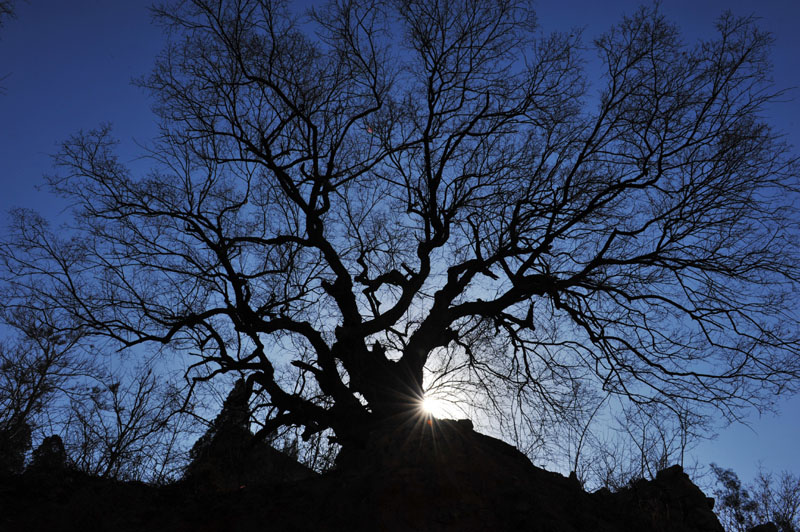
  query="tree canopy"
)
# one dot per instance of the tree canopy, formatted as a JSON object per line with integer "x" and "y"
{"x": 357, "y": 206}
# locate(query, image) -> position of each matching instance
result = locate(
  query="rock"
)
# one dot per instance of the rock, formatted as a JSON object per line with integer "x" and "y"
{"x": 466, "y": 423}
{"x": 766, "y": 527}
{"x": 229, "y": 464}
{"x": 669, "y": 502}
{"x": 226, "y": 458}
{"x": 412, "y": 476}
{"x": 50, "y": 456}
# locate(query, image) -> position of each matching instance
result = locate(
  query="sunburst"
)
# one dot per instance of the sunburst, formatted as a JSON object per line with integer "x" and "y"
{"x": 434, "y": 407}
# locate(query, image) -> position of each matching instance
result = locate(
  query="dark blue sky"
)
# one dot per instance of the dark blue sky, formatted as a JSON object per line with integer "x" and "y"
{"x": 68, "y": 66}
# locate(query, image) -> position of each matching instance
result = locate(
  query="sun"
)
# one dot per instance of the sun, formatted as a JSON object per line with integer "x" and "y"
{"x": 434, "y": 407}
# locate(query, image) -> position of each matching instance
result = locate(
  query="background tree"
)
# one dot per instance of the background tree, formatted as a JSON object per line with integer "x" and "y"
{"x": 6, "y": 10}
{"x": 39, "y": 368}
{"x": 610, "y": 444}
{"x": 54, "y": 387}
{"x": 338, "y": 212}
{"x": 767, "y": 499}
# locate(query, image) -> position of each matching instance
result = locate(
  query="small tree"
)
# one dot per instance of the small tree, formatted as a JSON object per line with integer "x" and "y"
{"x": 609, "y": 444}
{"x": 333, "y": 212}
{"x": 53, "y": 385}
{"x": 129, "y": 428}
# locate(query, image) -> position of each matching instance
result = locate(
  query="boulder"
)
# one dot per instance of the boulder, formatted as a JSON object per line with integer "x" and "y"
{"x": 49, "y": 457}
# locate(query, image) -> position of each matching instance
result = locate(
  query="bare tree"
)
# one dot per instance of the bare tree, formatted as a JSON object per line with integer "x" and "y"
{"x": 333, "y": 210}
{"x": 778, "y": 499}
{"x": 608, "y": 443}
{"x": 38, "y": 363}
{"x": 53, "y": 384}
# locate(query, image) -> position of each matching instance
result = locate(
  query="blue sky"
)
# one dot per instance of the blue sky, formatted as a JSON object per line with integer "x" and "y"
{"x": 68, "y": 66}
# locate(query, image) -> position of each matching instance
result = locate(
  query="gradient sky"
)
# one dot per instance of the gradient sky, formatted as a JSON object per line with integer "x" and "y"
{"x": 68, "y": 65}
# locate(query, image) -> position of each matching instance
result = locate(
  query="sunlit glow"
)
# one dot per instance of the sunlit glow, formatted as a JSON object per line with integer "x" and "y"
{"x": 434, "y": 407}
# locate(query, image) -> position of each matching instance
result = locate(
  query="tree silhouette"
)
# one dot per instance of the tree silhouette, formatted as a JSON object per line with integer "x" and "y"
{"x": 342, "y": 207}
{"x": 7, "y": 11}
{"x": 15, "y": 440}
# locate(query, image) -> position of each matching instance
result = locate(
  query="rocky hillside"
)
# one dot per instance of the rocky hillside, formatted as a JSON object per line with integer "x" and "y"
{"x": 422, "y": 476}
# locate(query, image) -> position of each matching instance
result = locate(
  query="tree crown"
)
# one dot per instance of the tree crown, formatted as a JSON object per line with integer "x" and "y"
{"x": 421, "y": 194}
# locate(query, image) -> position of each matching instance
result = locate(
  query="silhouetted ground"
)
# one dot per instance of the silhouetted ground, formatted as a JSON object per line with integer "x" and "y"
{"x": 437, "y": 477}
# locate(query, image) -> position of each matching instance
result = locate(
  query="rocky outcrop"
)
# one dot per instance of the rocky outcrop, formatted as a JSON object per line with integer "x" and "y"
{"x": 669, "y": 502}
{"x": 227, "y": 458}
{"x": 441, "y": 476}
{"x": 247, "y": 464}
{"x": 50, "y": 457}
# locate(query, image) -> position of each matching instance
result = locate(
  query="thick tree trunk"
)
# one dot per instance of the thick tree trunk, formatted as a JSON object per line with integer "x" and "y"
{"x": 394, "y": 400}
{"x": 393, "y": 389}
